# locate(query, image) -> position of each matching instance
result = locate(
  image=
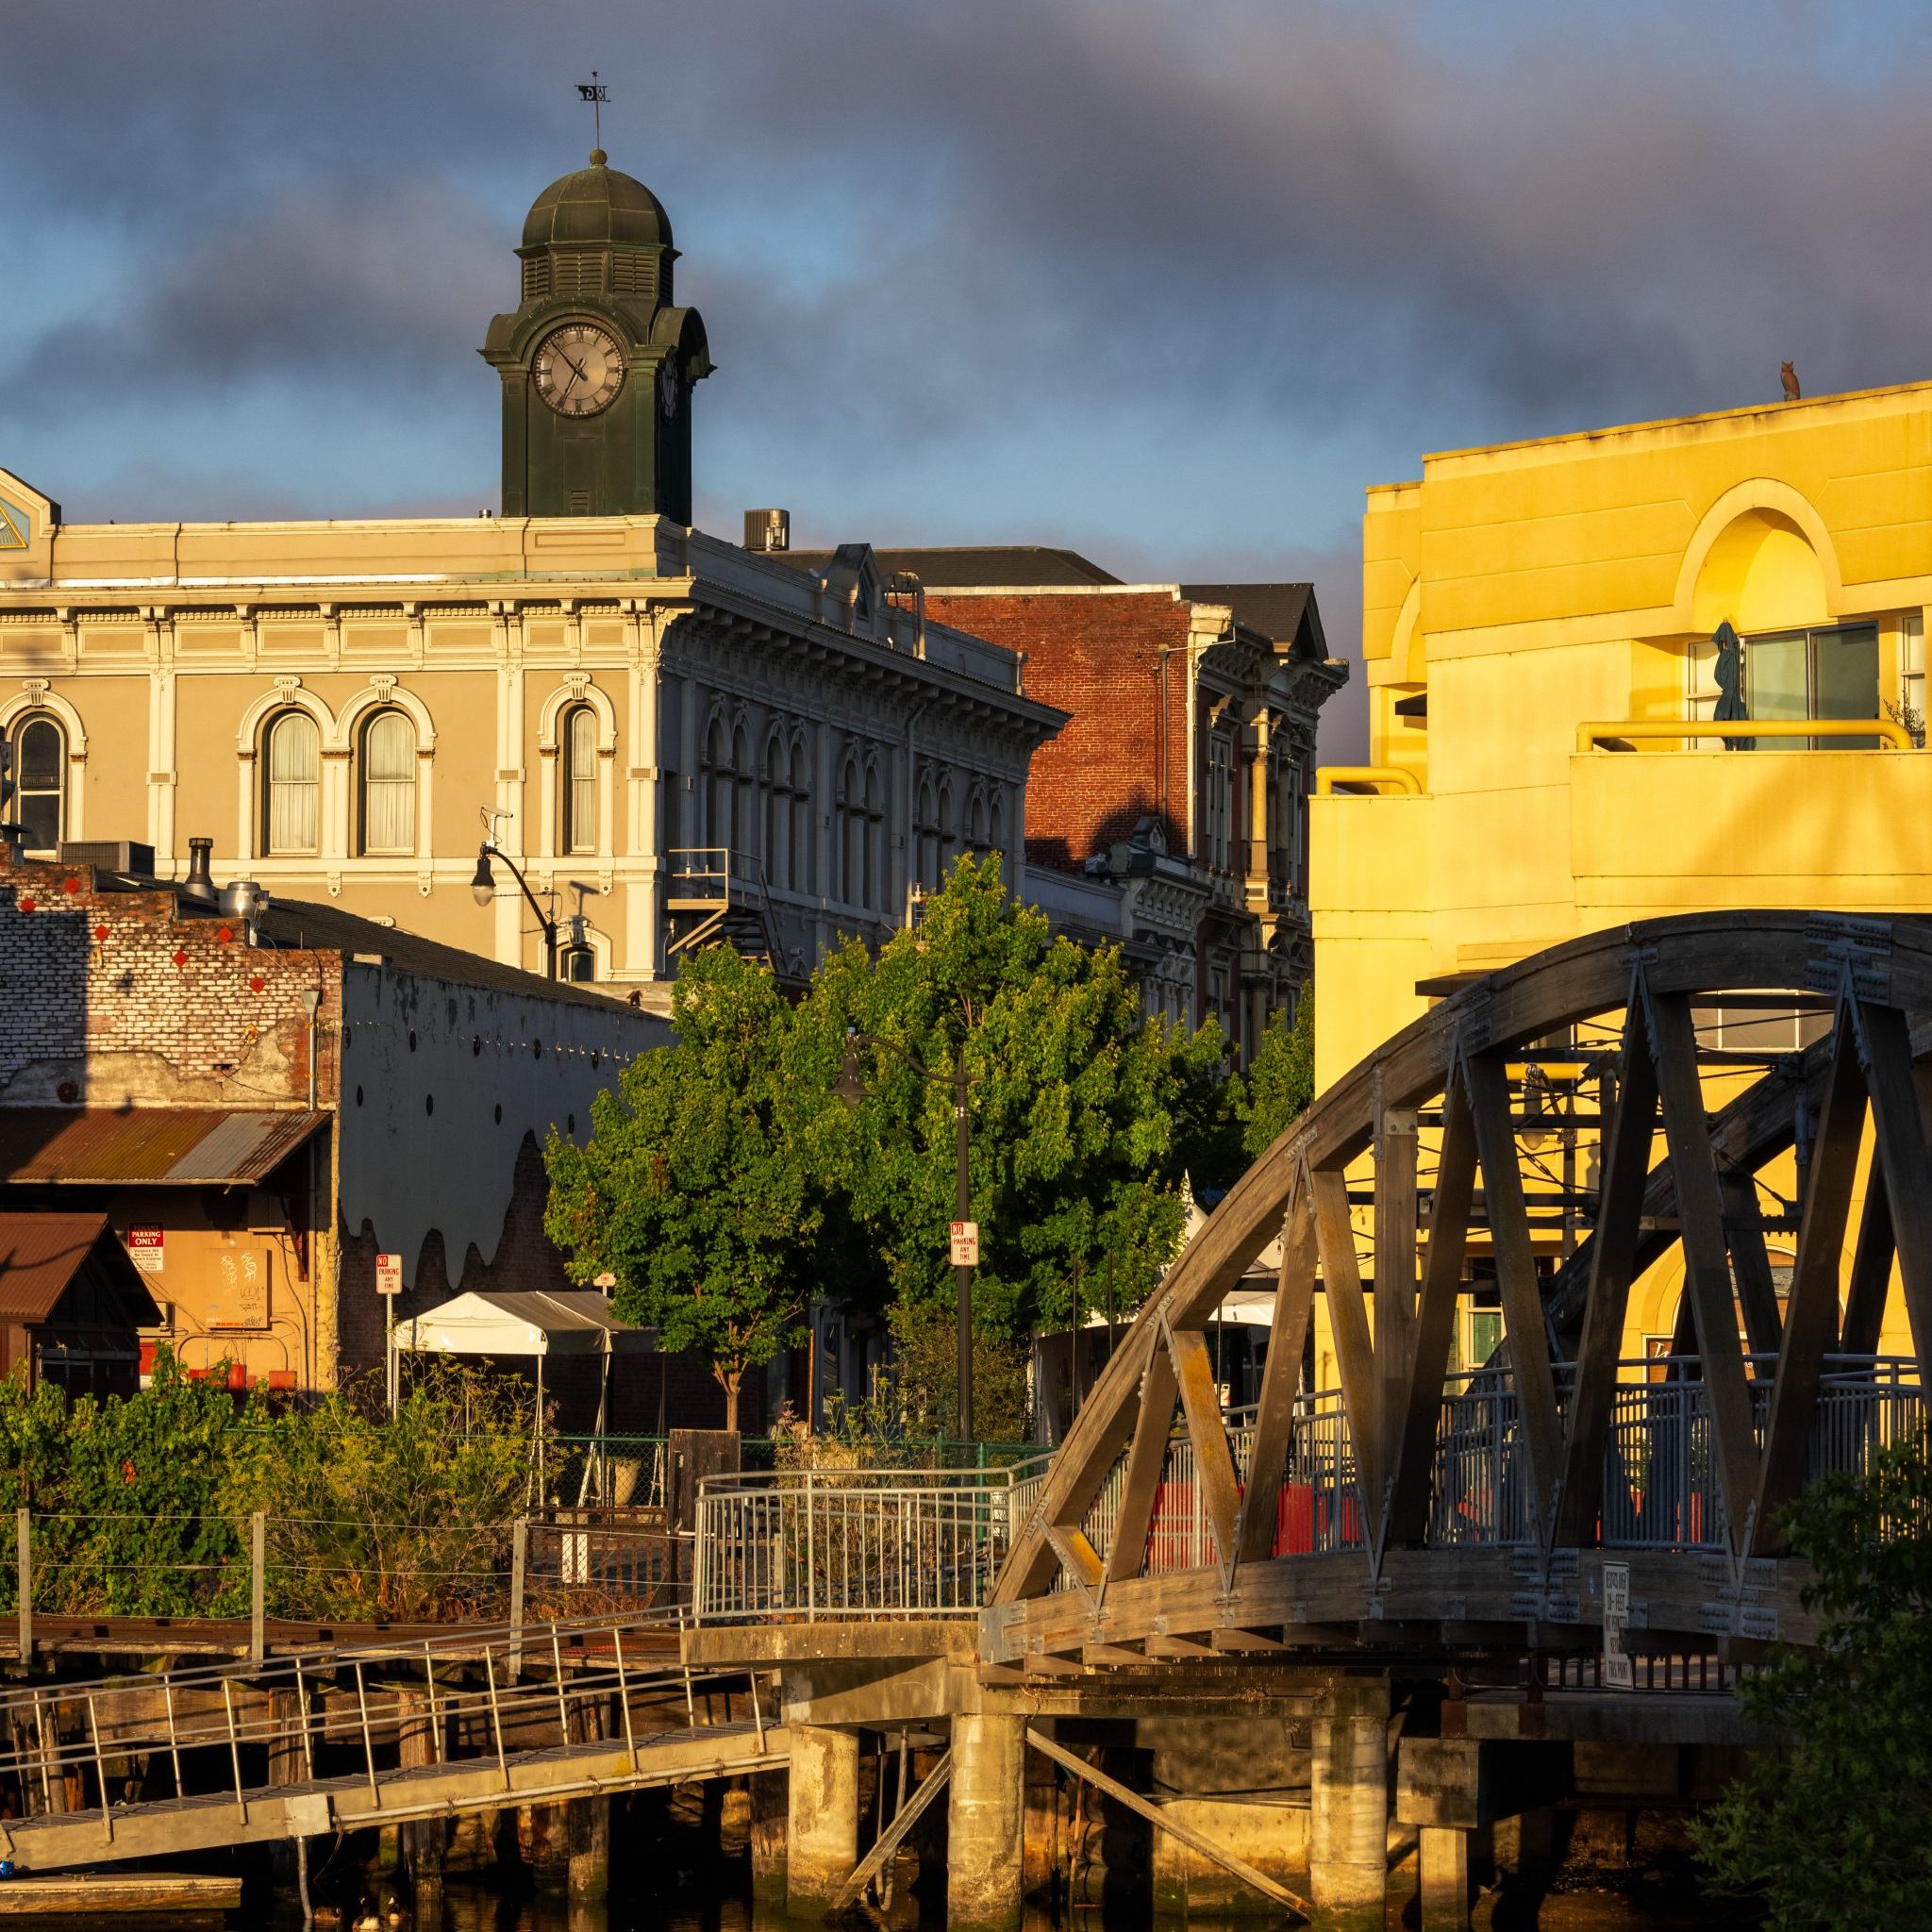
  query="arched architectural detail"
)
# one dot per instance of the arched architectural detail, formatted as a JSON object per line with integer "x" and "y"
{"x": 343, "y": 751}
{"x": 332, "y": 800}
{"x": 34, "y": 697}
{"x": 803, "y": 844}
{"x": 379, "y": 694}
{"x": 1406, "y": 664}
{"x": 777, "y": 812}
{"x": 574, "y": 691}
{"x": 1769, "y": 502}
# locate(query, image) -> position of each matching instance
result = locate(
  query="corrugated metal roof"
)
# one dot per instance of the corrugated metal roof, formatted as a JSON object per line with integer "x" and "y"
{"x": 40, "y": 1254}
{"x": 165, "y": 1145}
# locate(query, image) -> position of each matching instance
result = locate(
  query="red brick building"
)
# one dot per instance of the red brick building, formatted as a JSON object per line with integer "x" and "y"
{"x": 1169, "y": 812}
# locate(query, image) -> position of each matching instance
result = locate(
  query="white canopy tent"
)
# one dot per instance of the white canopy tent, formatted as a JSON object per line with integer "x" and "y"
{"x": 528, "y": 1322}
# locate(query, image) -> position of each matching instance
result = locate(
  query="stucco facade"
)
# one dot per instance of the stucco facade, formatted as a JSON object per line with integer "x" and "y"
{"x": 1542, "y": 639}
{"x": 335, "y": 704}
{"x": 1517, "y": 594}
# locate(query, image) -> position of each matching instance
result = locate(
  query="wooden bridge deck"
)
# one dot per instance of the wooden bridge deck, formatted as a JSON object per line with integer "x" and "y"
{"x": 321, "y": 1806}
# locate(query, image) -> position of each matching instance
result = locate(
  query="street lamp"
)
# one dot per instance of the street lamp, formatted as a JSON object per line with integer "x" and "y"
{"x": 483, "y": 888}
{"x": 851, "y": 1089}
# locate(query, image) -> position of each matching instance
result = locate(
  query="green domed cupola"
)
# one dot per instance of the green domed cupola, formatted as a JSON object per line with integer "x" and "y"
{"x": 597, "y": 364}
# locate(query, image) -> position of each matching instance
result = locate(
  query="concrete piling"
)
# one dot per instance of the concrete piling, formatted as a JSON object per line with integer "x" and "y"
{"x": 1348, "y": 1826}
{"x": 1444, "y": 1859}
{"x": 822, "y": 1816}
{"x": 985, "y": 1820}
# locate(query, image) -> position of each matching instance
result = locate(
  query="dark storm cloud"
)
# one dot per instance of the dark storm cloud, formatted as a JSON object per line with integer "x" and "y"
{"x": 999, "y": 227}
{"x": 370, "y": 285}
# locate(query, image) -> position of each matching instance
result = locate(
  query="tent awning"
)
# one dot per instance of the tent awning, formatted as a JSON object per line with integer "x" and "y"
{"x": 522, "y": 1322}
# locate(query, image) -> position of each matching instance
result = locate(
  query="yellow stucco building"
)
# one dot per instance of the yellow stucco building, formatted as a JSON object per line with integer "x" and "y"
{"x": 1543, "y": 623}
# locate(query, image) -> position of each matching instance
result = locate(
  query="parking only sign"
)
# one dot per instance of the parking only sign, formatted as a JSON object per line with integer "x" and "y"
{"x": 147, "y": 1249}
{"x": 965, "y": 1244}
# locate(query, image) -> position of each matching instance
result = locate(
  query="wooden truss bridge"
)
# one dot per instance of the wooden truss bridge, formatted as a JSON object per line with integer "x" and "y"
{"x": 1474, "y": 1508}
{"x": 1418, "y": 1507}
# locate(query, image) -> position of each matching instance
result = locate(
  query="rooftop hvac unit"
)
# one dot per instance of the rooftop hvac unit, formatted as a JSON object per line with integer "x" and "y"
{"x": 110, "y": 854}
{"x": 767, "y": 529}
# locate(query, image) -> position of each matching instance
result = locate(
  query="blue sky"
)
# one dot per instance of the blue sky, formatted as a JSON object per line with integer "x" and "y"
{"x": 1168, "y": 282}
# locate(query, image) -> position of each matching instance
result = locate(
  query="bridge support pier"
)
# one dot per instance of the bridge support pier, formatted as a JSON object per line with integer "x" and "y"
{"x": 1444, "y": 1856}
{"x": 986, "y": 1812}
{"x": 822, "y": 1816}
{"x": 1348, "y": 1826}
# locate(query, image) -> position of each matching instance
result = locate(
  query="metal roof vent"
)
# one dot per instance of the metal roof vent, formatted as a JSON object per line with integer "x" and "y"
{"x": 199, "y": 885}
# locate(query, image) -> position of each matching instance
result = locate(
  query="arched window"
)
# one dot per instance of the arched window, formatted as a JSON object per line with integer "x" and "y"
{"x": 294, "y": 784}
{"x": 851, "y": 833}
{"x": 744, "y": 814}
{"x": 578, "y": 779}
{"x": 717, "y": 787}
{"x": 927, "y": 826}
{"x": 976, "y": 820}
{"x": 996, "y": 820}
{"x": 802, "y": 855}
{"x": 388, "y": 783}
{"x": 875, "y": 835}
{"x": 40, "y": 772}
{"x": 948, "y": 831}
{"x": 778, "y": 815}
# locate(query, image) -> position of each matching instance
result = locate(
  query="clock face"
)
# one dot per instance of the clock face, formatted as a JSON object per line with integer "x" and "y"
{"x": 578, "y": 370}
{"x": 668, "y": 386}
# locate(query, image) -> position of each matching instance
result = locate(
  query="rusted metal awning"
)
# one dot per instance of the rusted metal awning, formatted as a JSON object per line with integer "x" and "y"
{"x": 146, "y": 1146}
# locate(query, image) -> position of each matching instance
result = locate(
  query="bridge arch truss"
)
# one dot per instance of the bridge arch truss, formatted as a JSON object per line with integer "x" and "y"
{"x": 1331, "y": 1512}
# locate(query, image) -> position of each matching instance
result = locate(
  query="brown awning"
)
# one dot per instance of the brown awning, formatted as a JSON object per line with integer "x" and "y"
{"x": 149, "y": 1145}
{"x": 41, "y": 1254}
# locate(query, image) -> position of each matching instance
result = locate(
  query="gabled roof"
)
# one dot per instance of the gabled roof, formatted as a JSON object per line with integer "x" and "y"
{"x": 969, "y": 567}
{"x": 1285, "y": 613}
{"x": 519, "y": 1322}
{"x": 41, "y": 1254}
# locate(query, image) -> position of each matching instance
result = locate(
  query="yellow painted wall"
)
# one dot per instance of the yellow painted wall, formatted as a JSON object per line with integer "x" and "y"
{"x": 1528, "y": 589}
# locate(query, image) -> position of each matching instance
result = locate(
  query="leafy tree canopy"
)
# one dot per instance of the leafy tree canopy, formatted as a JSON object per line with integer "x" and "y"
{"x": 1083, "y": 1114}
{"x": 1281, "y": 1077}
{"x": 1835, "y": 1830}
{"x": 691, "y": 1190}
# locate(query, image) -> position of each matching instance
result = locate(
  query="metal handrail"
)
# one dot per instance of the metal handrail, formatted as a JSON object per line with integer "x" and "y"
{"x": 1600, "y": 733}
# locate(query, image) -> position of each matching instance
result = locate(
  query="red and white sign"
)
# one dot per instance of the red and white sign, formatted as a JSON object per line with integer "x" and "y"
{"x": 144, "y": 1249}
{"x": 965, "y": 1244}
{"x": 388, "y": 1274}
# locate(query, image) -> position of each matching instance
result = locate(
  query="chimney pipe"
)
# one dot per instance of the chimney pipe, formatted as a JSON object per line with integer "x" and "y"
{"x": 199, "y": 885}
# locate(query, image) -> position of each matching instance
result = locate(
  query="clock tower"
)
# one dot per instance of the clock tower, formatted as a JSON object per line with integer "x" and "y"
{"x": 597, "y": 364}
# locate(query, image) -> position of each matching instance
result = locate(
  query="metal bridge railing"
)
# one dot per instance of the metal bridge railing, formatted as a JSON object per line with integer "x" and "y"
{"x": 363, "y": 1719}
{"x": 850, "y": 1543}
{"x": 893, "y": 1542}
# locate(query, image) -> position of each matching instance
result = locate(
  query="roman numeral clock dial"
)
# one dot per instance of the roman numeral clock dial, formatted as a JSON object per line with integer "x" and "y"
{"x": 578, "y": 370}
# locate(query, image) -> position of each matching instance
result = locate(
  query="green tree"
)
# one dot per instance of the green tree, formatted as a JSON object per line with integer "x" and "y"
{"x": 1281, "y": 1077}
{"x": 1836, "y": 1829}
{"x": 1083, "y": 1113}
{"x": 691, "y": 1190}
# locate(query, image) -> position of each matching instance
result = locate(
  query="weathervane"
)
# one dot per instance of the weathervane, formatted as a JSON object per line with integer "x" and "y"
{"x": 596, "y": 93}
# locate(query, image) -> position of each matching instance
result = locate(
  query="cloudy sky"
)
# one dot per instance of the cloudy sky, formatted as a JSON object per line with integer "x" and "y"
{"x": 1166, "y": 280}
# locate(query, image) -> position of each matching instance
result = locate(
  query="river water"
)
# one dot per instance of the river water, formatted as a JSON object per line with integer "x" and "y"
{"x": 720, "y": 1901}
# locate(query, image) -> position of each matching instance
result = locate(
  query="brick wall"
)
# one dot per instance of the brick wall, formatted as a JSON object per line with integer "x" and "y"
{"x": 1097, "y": 653}
{"x": 112, "y": 999}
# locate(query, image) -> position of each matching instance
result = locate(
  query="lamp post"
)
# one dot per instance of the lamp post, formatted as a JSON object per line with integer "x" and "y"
{"x": 850, "y": 1089}
{"x": 484, "y": 890}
